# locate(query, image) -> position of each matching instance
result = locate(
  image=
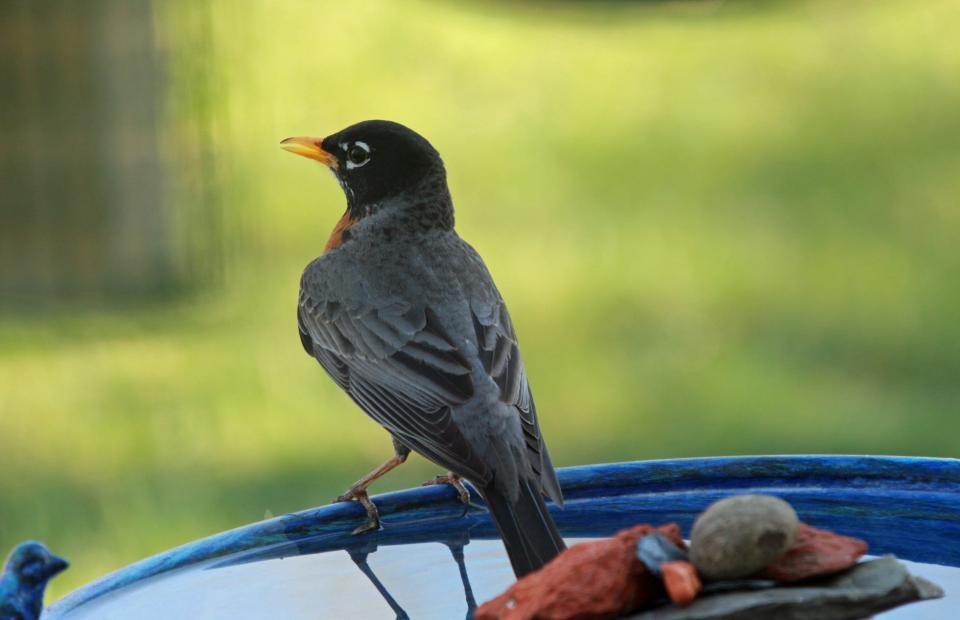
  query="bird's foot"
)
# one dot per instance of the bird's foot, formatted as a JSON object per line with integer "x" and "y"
{"x": 456, "y": 482}
{"x": 360, "y": 495}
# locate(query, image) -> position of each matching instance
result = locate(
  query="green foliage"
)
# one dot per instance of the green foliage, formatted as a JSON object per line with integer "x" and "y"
{"x": 722, "y": 229}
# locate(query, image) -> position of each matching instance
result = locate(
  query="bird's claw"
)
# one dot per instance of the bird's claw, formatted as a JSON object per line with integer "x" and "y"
{"x": 363, "y": 498}
{"x": 456, "y": 482}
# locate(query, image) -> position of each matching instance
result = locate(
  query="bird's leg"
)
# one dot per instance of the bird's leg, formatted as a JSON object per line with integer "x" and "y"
{"x": 358, "y": 490}
{"x": 455, "y": 481}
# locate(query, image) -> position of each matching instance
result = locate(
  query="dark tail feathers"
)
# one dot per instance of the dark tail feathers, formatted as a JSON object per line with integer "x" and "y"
{"x": 528, "y": 531}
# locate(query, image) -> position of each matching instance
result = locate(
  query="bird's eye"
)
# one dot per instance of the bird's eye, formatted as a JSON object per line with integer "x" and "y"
{"x": 358, "y": 154}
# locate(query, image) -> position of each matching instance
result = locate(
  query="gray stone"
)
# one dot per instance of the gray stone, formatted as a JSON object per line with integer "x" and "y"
{"x": 738, "y": 536}
{"x": 866, "y": 589}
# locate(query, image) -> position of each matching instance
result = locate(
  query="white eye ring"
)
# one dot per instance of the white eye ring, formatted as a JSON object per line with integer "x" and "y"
{"x": 351, "y": 151}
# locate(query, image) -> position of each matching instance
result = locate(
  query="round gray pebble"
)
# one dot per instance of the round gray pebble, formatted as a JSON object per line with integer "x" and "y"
{"x": 738, "y": 536}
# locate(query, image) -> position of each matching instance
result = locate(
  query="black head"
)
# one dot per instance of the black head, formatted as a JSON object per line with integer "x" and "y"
{"x": 33, "y": 563}
{"x": 374, "y": 160}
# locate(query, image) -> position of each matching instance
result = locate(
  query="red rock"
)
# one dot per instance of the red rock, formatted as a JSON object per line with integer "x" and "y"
{"x": 681, "y": 581}
{"x": 589, "y": 581}
{"x": 815, "y": 552}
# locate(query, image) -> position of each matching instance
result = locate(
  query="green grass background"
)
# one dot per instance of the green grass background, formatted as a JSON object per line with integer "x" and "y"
{"x": 721, "y": 227}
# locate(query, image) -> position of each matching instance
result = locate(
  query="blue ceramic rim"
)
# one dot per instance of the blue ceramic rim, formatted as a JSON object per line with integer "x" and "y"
{"x": 886, "y": 493}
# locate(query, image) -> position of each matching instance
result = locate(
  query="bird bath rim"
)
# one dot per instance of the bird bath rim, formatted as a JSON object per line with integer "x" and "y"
{"x": 908, "y": 506}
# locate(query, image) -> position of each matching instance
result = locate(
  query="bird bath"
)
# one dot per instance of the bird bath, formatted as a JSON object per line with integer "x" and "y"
{"x": 433, "y": 560}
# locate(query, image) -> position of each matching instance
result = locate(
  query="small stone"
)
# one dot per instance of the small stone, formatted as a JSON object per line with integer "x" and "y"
{"x": 815, "y": 552}
{"x": 738, "y": 536}
{"x": 681, "y": 581}
{"x": 598, "y": 579}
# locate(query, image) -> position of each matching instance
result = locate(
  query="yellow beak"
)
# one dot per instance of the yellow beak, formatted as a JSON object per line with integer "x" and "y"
{"x": 310, "y": 147}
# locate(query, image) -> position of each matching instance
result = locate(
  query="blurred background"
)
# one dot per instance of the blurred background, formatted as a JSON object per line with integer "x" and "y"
{"x": 721, "y": 227}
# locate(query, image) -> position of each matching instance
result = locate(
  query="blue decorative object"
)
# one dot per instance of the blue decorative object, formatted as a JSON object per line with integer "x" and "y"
{"x": 25, "y": 576}
{"x": 655, "y": 549}
{"x": 900, "y": 505}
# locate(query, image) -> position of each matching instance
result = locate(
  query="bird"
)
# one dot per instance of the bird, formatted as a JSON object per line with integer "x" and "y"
{"x": 404, "y": 316}
{"x": 25, "y": 576}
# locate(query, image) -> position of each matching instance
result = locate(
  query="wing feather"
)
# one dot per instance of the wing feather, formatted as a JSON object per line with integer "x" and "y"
{"x": 394, "y": 358}
{"x": 402, "y": 369}
{"x": 500, "y": 355}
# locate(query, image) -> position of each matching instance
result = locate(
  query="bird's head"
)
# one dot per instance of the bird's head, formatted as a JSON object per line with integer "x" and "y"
{"x": 32, "y": 563}
{"x": 374, "y": 161}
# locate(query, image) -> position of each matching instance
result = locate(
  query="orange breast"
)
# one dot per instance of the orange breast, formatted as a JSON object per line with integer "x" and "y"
{"x": 336, "y": 237}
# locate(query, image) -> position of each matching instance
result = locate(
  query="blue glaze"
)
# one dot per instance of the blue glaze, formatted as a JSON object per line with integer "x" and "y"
{"x": 901, "y": 505}
{"x": 655, "y": 549}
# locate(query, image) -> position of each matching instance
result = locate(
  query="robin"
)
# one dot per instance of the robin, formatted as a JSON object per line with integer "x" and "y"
{"x": 404, "y": 316}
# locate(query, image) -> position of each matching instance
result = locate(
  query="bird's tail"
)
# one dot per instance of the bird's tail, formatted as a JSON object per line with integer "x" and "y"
{"x": 528, "y": 531}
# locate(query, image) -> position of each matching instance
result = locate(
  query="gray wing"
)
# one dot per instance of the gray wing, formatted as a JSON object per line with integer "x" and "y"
{"x": 400, "y": 366}
{"x": 500, "y": 355}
